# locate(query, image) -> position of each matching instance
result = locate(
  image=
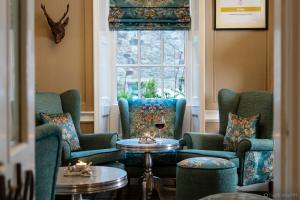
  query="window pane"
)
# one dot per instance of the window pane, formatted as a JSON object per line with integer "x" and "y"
{"x": 174, "y": 82}
{"x": 150, "y": 47}
{"x": 174, "y": 47}
{"x": 180, "y": 82}
{"x": 151, "y": 82}
{"x": 147, "y": 48}
{"x": 127, "y": 82}
{"x": 127, "y": 45}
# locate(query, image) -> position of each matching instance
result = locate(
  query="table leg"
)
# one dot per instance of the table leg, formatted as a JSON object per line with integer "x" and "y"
{"x": 76, "y": 197}
{"x": 148, "y": 177}
{"x": 150, "y": 182}
{"x": 158, "y": 187}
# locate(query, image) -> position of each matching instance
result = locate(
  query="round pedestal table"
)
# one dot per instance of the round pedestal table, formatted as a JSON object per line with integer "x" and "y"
{"x": 149, "y": 181}
{"x": 103, "y": 179}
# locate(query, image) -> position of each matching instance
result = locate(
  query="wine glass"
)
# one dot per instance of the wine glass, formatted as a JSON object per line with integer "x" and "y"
{"x": 160, "y": 125}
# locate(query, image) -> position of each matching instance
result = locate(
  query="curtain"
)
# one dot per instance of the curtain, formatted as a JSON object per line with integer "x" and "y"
{"x": 149, "y": 15}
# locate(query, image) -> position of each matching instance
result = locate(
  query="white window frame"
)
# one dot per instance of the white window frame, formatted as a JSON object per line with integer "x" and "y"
{"x": 161, "y": 65}
{"x": 106, "y": 112}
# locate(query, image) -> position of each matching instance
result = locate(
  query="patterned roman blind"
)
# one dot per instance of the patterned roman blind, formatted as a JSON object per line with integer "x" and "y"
{"x": 149, "y": 15}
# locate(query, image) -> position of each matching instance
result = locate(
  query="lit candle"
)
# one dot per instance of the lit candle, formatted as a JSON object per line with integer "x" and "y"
{"x": 80, "y": 165}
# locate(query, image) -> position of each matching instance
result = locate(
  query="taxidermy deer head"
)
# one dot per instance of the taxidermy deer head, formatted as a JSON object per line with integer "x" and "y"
{"x": 57, "y": 28}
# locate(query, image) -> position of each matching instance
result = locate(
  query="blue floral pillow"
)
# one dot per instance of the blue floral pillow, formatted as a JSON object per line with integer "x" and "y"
{"x": 65, "y": 122}
{"x": 143, "y": 113}
{"x": 239, "y": 128}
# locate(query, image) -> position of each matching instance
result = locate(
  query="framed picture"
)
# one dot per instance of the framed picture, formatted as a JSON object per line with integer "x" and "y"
{"x": 241, "y": 14}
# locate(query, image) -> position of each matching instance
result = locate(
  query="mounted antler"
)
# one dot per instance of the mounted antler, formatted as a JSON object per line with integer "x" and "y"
{"x": 57, "y": 28}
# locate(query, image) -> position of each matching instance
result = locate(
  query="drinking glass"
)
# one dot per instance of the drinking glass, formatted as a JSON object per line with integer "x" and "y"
{"x": 160, "y": 125}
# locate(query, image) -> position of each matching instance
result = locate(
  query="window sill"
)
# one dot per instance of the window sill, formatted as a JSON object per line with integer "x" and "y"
{"x": 87, "y": 116}
{"x": 211, "y": 116}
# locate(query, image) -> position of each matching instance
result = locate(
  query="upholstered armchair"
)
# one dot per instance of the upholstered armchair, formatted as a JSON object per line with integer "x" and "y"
{"x": 253, "y": 157}
{"x": 47, "y": 160}
{"x": 98, "y": 148}
{"x": 139, "y": 116}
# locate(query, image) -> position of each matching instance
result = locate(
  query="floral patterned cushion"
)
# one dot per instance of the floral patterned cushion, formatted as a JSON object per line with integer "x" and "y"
{"x": 65, "y": 122}
{"x": 258, "y": 167}
{"x": 239, "y": 128}
{"x": 206, "y": 163}
{"x": 143, "y": 113}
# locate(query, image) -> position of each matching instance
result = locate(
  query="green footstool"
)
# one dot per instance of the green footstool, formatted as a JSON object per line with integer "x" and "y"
{"x": 202, "y": 176}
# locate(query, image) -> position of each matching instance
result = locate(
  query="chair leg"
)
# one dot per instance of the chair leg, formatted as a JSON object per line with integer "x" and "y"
{"x": 271, "y": 187}
{"x": 128, "y": 184}
{"x": 119, "y": 194}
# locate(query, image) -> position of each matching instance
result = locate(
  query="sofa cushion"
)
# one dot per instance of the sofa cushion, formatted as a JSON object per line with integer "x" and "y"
{"x": 210, "y": 163}
{"x": 65, "y": 122}
{"x": 239, "y": 128}
{"x": 97, "y": 157}
{"x": 159, "y": 158}
{"x": 143, "y": 113}
{"x": 188, "y": 153}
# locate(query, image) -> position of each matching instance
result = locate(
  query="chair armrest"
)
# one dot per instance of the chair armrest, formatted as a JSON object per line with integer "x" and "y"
{"x": 66, "y": 152}
{"x": 182, "y": 143}
{"x": 98, "y": 141}
{"x": 180, "y": 109}
{"x": 254, "y": 145}
{"x": 204, "y": 141}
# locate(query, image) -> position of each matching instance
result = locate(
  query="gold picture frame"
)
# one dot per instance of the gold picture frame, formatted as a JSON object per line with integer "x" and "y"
{"x": 241, "y": 14}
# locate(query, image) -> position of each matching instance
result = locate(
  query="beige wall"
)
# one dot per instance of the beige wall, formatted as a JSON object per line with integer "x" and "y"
{"x": 69, "y": 64}
{"x": 238, "y": 60}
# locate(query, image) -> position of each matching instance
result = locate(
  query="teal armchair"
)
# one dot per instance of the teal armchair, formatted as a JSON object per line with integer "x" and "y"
{"x": 143, "y": 112}
{"x": 139, "y": 116}
{"x": 254, "y": 157}
{"x": 98, "y": 148}
{"x": 47, "y": 160}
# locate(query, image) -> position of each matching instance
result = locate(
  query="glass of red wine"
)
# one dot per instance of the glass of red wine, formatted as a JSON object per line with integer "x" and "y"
{"x": 160, "y": 125}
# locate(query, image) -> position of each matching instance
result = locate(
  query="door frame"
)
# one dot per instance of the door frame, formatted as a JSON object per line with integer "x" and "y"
{"x": 22, "y": 152}
{"x": 287, "y": 99}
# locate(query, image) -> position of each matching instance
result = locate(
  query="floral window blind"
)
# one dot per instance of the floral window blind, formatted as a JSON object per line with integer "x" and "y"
{"x": 149, "y": 15}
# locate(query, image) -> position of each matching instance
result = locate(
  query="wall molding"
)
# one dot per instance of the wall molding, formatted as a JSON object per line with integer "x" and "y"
{"x": 231, "y": 70}
{"x": 212, "y": 116}
{"x": 88, "y": 56}
{"x": 87, "y": 116}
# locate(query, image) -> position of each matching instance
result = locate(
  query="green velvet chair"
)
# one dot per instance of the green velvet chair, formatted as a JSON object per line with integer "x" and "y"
{"x": 254, "y": 157}
{"x": 172, "y": 109}
{"x": 138, "y": 116}
{"x": 47, "y": 160}
{"x": 98, "y": 148}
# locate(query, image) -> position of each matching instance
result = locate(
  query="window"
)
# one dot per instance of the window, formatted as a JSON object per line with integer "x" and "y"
{"x": 150, "y": 64}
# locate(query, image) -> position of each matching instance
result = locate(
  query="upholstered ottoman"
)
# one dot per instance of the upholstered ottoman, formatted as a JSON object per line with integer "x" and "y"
{"x": 202, "y": 176}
